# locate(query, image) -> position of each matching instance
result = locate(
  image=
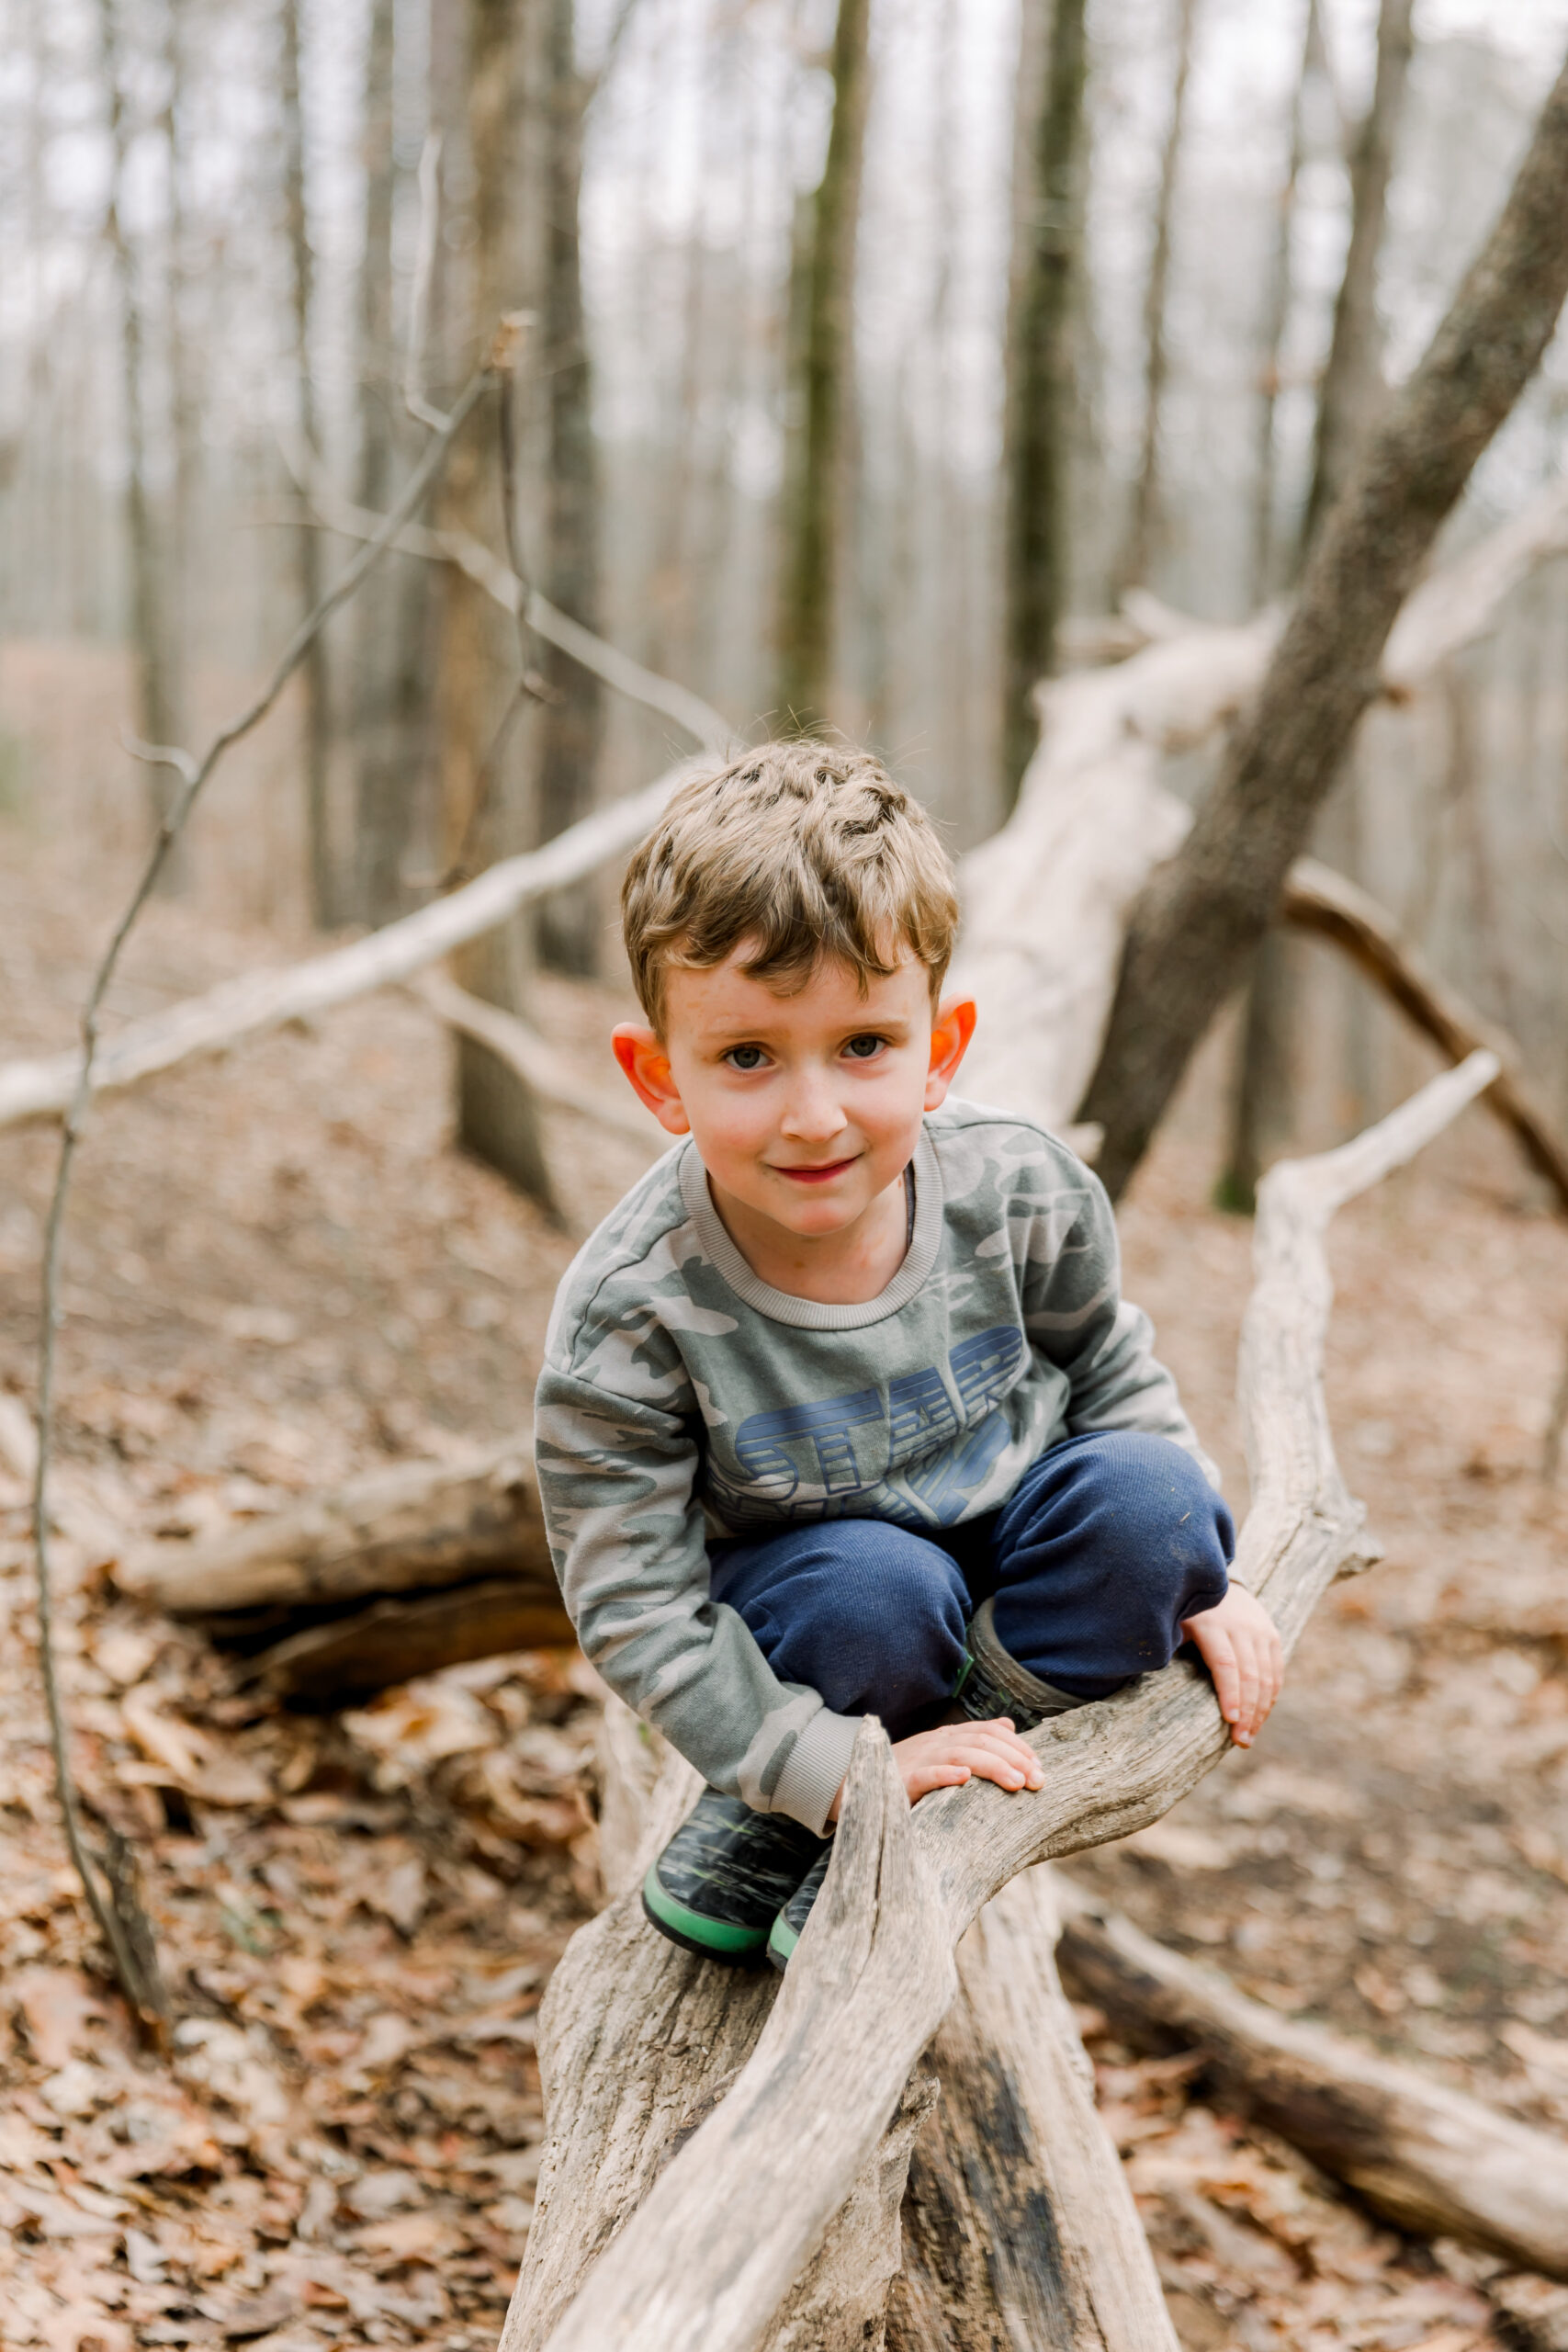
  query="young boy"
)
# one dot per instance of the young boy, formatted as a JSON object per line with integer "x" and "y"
{"x": 842, "y": 1412}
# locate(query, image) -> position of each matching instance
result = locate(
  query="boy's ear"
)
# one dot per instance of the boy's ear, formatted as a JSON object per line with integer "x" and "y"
{"x": 951, "y": 1032}
{"x": 646, "y": 1066}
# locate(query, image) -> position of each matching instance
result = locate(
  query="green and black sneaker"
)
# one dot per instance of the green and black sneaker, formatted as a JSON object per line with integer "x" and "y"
{"x": 787, "y": 1927}
{"x": 993, "y": 1683}
{"x": 723, "y": 1878}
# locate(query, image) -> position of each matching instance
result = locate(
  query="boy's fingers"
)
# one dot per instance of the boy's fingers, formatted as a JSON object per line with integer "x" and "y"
{"x": 1228, "y": 1681}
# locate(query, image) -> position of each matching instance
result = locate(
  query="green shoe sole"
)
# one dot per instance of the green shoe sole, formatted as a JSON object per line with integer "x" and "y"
{"x": 718, "y": 1940}
{"x": 782, "y": 1942}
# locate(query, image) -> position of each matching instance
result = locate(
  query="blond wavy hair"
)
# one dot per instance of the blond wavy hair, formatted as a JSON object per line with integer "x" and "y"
{"x": 803, "y": 849}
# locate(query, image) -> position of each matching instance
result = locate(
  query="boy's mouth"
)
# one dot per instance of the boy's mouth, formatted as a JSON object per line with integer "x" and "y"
{"x": 828, "y": 1168}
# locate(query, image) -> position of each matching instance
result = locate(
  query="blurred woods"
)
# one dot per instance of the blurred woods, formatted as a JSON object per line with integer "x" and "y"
{"x": 873, "y": 357}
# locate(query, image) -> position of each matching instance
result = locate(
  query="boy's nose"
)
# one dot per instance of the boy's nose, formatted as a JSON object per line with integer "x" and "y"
{"x": 812, "y": 1113}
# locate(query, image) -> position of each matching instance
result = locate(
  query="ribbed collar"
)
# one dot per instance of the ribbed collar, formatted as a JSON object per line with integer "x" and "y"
{"x": 813, "y": 1314}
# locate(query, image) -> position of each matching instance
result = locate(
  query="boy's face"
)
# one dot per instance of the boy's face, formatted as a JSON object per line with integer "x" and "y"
{"x": 804, "y": 1108}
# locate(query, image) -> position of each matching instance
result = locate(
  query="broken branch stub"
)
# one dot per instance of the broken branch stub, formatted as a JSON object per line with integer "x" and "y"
{"x": 704, "y": 2260}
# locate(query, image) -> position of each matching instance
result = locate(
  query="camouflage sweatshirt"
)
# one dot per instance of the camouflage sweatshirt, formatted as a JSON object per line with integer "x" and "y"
{"x": 684, "y": 1399}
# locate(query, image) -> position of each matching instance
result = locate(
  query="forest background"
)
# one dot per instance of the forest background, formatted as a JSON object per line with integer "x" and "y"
{"x": 866, "y": 365}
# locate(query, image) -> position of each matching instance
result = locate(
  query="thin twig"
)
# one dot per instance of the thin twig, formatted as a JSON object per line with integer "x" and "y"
{"x": 418, "y": 407}
{"x": 474, "y": 559}
{"x": 119, "y": 1916}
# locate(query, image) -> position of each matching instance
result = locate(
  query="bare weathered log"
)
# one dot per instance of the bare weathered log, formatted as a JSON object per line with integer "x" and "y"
{"x": 424, "y": 1525}
{"x": 397, "y": 1639}
{"x": 1317, "y": 899}
{"x": 1047, "y": 898}
{"x": 1016, "y": 2205}
{"x": 1429, "y": 2157}
{"x": 1018, "y": 2224}
{"x": 707, "y": 2256}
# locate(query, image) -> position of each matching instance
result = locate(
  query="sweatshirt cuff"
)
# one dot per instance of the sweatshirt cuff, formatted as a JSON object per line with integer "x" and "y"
{"x": 815, "y": 1772}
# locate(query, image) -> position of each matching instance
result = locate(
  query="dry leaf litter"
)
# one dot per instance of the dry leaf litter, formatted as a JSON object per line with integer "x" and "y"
{"x": 281, "y": 1273}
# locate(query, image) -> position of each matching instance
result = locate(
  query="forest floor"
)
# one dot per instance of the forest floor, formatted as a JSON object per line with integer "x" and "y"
{"x": 281, "y": 1273}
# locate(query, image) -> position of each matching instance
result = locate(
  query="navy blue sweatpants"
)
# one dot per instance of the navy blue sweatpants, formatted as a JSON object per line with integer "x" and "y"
{"x": 1105, "y": 1545}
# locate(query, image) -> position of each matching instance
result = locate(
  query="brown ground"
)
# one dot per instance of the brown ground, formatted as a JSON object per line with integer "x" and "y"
{"x": 281, "y": 1273}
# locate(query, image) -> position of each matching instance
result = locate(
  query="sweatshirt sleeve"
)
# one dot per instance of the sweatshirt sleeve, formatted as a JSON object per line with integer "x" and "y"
{"x": 1076, "y": 1316}
{"x": 617, "y": 1441}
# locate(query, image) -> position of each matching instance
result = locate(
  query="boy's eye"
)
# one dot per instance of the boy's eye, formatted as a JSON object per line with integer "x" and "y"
{"x": 744, "y": 1057}
{"x": 864, "y": 1049}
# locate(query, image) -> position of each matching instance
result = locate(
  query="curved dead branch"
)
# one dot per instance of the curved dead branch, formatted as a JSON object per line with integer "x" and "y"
{"x": 1319, "y": 900}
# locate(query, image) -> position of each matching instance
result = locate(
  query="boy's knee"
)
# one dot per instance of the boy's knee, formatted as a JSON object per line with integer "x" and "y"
{"x": 1166, "y": 1524}
{"x": 1140, "y": 1505}
{"x": 884, "y": 1576}
{"x": 868, "y": 1615}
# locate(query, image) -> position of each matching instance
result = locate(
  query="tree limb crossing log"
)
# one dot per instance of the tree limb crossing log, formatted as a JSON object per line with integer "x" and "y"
{"x": 700, "y": 2257}
{"x": 1426, "y": 2156}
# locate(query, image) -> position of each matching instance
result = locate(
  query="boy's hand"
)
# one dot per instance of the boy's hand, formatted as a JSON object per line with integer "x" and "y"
{"x": 953, "y": 1753}
{"x": 1239, "y": 1645}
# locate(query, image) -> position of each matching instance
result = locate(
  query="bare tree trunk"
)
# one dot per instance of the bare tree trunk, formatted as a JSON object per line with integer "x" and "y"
{"x": 1353, "y": 389}
{"x": 184, "y": 418}
{"x": 1142, "y": 531}
{"x": 484, "y": 800}
{"x": 1039, "y": 422}
{"x": 307, "y": 540}
{"x": 1277, "y": 317}
{"x": 1201, "y": 915}
{"x": 816, "y": 499}
{"x": 1349, "y": 398}
{"x": 1260, "y": 1090}
{"x": 390, "y": 696}
{"x": 571, "y": 727}
{"x": 157, "y": 719}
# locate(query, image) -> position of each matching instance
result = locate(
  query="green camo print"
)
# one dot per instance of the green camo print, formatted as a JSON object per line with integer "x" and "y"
{"x": 681, "y": 1399}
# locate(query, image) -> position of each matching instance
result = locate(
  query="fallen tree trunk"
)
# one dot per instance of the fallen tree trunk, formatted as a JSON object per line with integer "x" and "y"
{"x": 1017, "y": 2225}
{"x": 1197, "y": 918}
{"x": 1046, "y": 900}
{"x": 1429, "y": 2157}
{"x": 644, "y": 2236}
{"x": 422, "y": 1525}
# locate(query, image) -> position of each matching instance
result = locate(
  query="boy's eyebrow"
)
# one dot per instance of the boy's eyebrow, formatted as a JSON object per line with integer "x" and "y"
{"x": 758, "y": 1032}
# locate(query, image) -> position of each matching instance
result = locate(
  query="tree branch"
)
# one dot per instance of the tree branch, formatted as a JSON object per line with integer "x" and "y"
{"x": 258, "y": 1001}
{"x": 120, "y": 1916}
